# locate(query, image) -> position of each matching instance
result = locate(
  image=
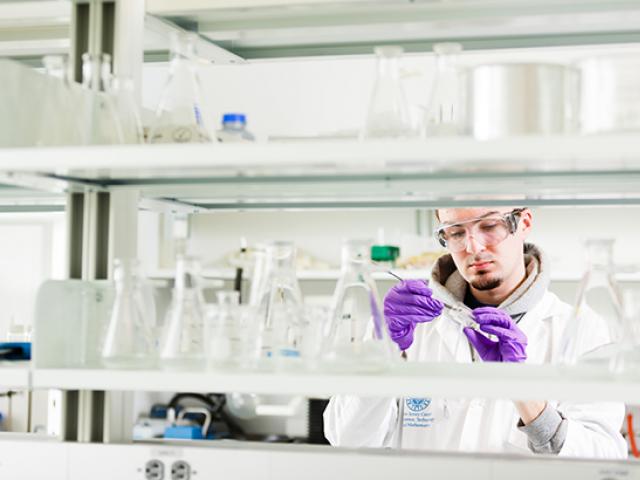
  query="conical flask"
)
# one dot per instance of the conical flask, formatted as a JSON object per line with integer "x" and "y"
{"x": 446, "y": 111}
{"x": 599, "y": 303}
{"x": 129, "y": 340}
{"x": 388, "y": 113}
{"x": 102, "y": 124}
{"x": 183, "y": 346}
{"x": 179, "y": 116}
{"x": 278, "y": 304}
{"x": 628, "y": 358}
{"x": 358, "y": 339}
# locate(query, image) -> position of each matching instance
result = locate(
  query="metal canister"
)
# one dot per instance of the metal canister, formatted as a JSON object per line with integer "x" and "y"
{"x": 522, "y": 99}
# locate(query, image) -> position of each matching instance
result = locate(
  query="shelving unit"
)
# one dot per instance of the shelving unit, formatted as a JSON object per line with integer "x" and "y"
{"x": 544, "y": 171}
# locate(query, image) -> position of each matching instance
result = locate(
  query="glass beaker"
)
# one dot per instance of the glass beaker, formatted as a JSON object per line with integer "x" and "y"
{"x": 129, "y": 341}
{"x": 446, "y": 111}
{"x": 278, "y": 304}
{"x": 599, "y": 300}
{"x": 182, "y": 346}
{"x": 179, "y": 116}
{"x": 388, "y": 113}
{"x": 225, "y": 331}
{"x": 102, "y": 125}
{"x": 358, "y": 339}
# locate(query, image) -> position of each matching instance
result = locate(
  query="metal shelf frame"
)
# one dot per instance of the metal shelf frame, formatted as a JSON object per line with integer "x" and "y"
{"x": 289, "y": 28}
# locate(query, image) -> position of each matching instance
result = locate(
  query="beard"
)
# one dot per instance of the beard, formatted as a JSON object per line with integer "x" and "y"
{"x": 483, "y": 284}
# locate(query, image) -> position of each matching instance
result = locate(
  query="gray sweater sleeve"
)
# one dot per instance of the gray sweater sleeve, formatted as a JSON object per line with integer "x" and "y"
{"x": 546, "y": 434}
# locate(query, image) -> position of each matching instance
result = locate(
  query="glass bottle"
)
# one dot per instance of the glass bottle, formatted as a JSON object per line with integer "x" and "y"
{"x": 357, "y": 339}
{"x": 129, "y": 340}
{"x": 102, "y": 125}
{"x": 182, "y": 346}
{"x": 599, "y": 294}
{"x": 388, "y": 113}
{"x": 446, "y": 111}
{"x": 234, "y": 129}
{"x": 225, "y": 332}
{"x": 123, "y": 96}
{"x": 56, "y": 120}
{"x": 278, "y": 304}
{"x": 179, "y": 117}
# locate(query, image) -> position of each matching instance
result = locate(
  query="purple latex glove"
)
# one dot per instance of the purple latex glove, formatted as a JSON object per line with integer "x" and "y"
{"x": 512, "y": 342}
{"x": 408, "y": 303}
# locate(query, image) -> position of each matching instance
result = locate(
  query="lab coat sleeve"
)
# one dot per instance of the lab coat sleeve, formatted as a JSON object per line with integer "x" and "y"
{"x": 593, "y": 430}
{"x": 360, "y": 422}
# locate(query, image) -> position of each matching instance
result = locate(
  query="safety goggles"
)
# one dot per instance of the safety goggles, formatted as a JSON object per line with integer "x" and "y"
{"x": 488, "y": 230}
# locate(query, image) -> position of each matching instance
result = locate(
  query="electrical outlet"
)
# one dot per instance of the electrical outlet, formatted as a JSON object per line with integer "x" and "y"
{"x": 154, "y": 470}
{"x": 180, "y": 470}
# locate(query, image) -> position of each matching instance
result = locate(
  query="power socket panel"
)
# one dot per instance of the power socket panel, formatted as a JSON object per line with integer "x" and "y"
{"x": 154, "y": 470}
{"x": 180, "y": 470}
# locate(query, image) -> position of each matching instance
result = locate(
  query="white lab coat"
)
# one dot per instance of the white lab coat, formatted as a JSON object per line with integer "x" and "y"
{"x": 480, "y": 425}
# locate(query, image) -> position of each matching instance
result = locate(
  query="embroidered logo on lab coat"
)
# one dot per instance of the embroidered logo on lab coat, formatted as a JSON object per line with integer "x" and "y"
{"x": 418, "y": 404}
{"x": 416, "y": 413}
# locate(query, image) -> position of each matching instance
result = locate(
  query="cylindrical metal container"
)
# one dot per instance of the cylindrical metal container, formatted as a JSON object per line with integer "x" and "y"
{"x": 522, "y": 99}
{"x": 610, "y": 93}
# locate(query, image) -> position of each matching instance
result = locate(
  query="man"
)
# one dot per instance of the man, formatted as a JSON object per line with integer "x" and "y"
{"x": 502, "y": 282}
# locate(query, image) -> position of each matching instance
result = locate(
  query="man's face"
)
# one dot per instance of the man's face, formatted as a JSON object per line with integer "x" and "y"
{"x": 488, "y": 267}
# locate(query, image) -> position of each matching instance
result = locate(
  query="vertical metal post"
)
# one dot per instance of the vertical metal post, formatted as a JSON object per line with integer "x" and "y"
{"x": 101, "y": 227}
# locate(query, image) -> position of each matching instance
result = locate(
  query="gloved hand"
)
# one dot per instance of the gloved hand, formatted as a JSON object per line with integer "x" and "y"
{"x": 512, "y": 342}
{"x": 408, "y": 303}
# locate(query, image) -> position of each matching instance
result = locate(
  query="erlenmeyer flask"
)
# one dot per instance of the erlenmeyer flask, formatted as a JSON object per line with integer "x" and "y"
{"x": 627, "y": 357}
{"x": 225, "y": 332}
{"x": 126, "y": 108}
{"x": 388, "y": 113}
{"x": 182, "y": 346}
{"x": 179, "y": 116}
{"x": 598, "y": 297}
{"x": 358, "y": 339}
{"x": 278, "y": 303}
{"x": 446, "y": 111}
{"x": 129, "y": 341}
{"x": 102, "y": 125}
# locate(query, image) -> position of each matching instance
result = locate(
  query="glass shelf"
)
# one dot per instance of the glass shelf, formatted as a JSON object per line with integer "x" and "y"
{"x": 480, "y": 380}
{"x": 550, "y": 170}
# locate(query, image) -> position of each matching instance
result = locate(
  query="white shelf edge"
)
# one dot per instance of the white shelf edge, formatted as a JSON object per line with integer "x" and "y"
{"x": 15, "y": 375}
{"x": 445, "y": 380}
{"x": 524, "y": 153}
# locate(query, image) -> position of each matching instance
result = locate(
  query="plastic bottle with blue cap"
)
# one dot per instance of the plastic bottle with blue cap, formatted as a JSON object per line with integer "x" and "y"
{"x": 234, "y": 129}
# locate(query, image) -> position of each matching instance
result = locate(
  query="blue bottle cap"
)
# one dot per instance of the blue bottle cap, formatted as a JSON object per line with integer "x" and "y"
{"x": 234, "y": 117}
